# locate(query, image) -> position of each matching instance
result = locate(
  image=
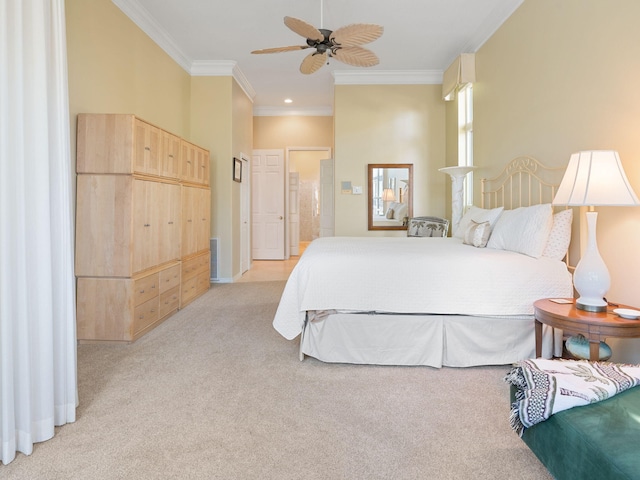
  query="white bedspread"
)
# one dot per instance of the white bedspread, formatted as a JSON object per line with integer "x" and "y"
{"x": 415, "y": 275}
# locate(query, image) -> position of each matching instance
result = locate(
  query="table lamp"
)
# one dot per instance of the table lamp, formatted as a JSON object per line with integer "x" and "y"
{"x": 594, "y": 178}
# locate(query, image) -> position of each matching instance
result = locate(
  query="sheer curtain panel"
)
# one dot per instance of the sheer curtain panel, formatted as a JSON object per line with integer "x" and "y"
{"x": 38, "y": 388}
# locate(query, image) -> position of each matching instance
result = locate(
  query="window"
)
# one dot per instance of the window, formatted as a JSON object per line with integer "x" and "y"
{"x": 465, "y": 137}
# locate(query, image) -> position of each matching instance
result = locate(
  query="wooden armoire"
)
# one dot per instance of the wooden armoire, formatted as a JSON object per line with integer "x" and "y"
{"x": 142, "y": 226}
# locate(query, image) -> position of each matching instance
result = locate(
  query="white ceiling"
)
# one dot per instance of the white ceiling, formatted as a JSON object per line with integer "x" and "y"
{"x": 421, "y": 38}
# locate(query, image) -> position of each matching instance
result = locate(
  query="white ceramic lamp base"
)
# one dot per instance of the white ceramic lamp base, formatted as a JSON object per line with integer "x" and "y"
{"x": 591, "y": 278}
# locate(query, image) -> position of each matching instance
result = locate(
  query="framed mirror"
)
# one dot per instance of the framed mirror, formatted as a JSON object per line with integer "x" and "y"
{"x": 390, "y": 191}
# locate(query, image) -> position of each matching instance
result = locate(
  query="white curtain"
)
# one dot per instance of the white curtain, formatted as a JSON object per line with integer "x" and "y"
{"x": 38, "y": 388}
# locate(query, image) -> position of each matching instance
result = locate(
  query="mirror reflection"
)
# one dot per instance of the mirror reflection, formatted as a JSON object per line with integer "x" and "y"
{"x": 390, "y": 195}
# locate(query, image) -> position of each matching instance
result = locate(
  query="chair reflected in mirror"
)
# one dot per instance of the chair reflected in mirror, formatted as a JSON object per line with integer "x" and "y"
{"x": 427, "y": 227}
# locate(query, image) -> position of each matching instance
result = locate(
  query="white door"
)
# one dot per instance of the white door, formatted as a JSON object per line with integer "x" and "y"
{"x": 267, "y": 205}
{"x": 327, "y": 221}
{"x": 245, "y": 199}
{"x": 294, "y": 213}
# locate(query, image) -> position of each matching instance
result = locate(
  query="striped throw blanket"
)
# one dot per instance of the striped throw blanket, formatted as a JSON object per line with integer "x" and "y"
{"x": 545, "y": 387}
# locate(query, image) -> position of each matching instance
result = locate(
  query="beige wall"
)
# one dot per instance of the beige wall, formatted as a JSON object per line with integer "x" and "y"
{"x": 559, "y": 77}
{"x": 222, "y": 122}
{"x": 388, "y": 124}
{"x": 114, "y": 67}
{"x": 292, "y": 131}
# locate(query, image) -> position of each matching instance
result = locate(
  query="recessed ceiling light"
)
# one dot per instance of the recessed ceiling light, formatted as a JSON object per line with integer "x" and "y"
{"x": 288, "y": 100}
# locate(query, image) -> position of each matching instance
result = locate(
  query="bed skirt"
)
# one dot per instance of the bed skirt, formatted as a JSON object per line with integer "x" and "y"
{"x": 431, "y": 340}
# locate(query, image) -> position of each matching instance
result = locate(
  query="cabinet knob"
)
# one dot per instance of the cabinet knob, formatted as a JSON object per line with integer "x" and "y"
{"x": 148, "y": 149}
{"x": 147, "y": 224}
{"x": 170, "y": 223}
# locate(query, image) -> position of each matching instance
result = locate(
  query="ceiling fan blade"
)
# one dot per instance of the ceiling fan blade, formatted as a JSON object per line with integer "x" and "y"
{"x": 303, "y": 28}
{"x": 356, "y": 56}
{"x": 313, "y": 62}
{"x": 357, "y": 34}
{"x": 281, "y": 49}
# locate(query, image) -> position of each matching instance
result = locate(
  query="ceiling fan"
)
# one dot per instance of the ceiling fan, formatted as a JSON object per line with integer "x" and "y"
{"x": 342, "y": 44}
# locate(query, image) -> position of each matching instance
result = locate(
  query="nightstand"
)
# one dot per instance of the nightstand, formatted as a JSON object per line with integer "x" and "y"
{"x": 595, "y": 326}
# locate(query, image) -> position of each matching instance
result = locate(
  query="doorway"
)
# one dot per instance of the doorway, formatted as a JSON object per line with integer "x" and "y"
{"x": 304, "y": 165}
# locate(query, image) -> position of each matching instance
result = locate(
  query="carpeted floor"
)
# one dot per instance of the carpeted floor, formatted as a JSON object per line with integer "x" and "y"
{"x": 216, "y": 393}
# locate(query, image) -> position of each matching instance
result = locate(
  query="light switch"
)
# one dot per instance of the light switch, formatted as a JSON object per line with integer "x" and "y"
{"x": 357, "y": 190}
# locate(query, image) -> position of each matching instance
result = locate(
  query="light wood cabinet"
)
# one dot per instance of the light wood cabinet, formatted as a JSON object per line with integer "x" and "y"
{"x": 125, "y": 225}
{"x": 195, "y": 220}
{"x": 134, "y": 215}
{"x": 124, "y": 309}
{"x": 194, "y": 164}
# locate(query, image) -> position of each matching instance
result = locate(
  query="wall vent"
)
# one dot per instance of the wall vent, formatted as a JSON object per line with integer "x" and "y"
{"x": 214, "y": 245}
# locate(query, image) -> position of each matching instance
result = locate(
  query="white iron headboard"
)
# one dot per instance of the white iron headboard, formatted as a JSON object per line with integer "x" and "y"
{"x": 523, "y": 182}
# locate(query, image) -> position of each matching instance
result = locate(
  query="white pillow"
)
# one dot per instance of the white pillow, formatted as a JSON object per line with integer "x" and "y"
{"x": 560, "y": 235}
{"x": 477, "y": 234}
{"x": 400, "y": 211}
{"x": 523, "y": 230}
{"x": 478, "y": 215}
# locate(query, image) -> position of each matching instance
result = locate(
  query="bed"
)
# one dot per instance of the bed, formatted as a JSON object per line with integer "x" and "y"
{"x": 437, "y": 301}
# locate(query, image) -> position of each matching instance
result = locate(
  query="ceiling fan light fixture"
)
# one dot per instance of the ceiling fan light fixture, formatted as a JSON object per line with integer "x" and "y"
{"x": 342, "y": 44}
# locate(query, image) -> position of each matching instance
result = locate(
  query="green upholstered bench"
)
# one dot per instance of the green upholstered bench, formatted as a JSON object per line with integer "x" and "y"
{"x": 598, "y": 441}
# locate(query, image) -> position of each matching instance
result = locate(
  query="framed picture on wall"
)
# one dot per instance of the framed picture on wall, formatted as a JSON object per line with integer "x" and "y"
{"x": 237, "y": 170}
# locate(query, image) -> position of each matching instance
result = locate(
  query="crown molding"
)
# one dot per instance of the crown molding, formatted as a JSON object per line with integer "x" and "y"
{"x": 222, "y": 68}
{"x": 141, "y": 17}
{"x": 388, "y": 77}
{"x": 285, "y": 112}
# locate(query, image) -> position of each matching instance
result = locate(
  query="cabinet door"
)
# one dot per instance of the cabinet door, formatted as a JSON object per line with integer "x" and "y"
{"x": 189, "y": 245}
{"x": 146, "y": 196}
{"x": 170, "y": 165}
{"x": 202, "y": 162}
{"x": 203, "y": 208}
{"x": 188, "y": 162}
{"x": 169, "y": 223}
{"x": 147, "y": 150}
{"x": 104, "y": 220}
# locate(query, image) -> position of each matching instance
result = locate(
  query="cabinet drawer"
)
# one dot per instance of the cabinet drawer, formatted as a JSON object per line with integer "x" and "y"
{"x": 145, "y": 288}
{"x": 169, "y": 278}
{"x": 203, "y": 282}
{"x": 169, "y": 301}
{"x": 194, "y": 266}
{"x": 145, "y": 315}
{"x": 188, "y": 291}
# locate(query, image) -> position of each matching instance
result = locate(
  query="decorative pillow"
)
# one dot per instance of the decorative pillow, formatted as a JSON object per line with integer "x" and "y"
{"x": 560, "y": 235}
{"x": 390, "y": 213}
{"x": 523, "y": 230}
{"x": 400, "y": 211}
{"x": 478, "y": 215}
{"x": 477, "y": 234}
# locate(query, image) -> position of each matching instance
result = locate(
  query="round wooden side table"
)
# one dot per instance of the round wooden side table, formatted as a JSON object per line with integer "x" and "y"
{"x": 594, "y": 326}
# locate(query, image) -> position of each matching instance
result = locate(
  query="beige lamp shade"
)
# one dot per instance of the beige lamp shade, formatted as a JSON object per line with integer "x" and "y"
{"x": 388, "y": 195}
{"x": 595, "y": 178}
